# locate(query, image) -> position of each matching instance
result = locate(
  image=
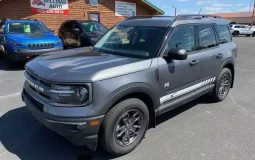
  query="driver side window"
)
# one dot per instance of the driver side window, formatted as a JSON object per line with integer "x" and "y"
{"x": 183, "y": 38}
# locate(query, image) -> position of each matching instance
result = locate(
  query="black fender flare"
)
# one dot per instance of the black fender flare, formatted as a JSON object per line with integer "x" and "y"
{"x": 132, "y": 88}
{"x": 227, "y": 62}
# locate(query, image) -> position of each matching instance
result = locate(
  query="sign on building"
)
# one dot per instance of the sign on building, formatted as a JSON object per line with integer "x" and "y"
{"x": 49, "y": 6}
{"x": 125, "y": 9}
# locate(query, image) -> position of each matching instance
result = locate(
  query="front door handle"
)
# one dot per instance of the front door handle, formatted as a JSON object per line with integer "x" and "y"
{"x": 194, "y": 63}
{"x": 219, "y": 55}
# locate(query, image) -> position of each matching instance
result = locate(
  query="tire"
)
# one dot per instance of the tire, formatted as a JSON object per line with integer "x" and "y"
{"x": 11, "y": 63}
{"x": 217, "y": 95}
{"x": 116, "y": 116}
{"x": 253, "y": 34}
{"x": 236, "y": 33}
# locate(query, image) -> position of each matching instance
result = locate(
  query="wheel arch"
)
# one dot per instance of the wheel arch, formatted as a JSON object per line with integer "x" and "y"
{"x": 144, "y": 92}
{"x": 230, "y": 65}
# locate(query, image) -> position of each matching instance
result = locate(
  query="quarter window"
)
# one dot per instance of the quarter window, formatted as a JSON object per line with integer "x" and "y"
{"x": 183, "y": 38}
{"x": 224, "y": 33}
{"x": 207, "y": 37}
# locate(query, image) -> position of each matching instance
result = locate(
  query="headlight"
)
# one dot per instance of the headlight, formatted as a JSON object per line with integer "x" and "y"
{"x": 16, "y": 43}
{"x": 94, "y": 39}
{"x": 75, "y": 95}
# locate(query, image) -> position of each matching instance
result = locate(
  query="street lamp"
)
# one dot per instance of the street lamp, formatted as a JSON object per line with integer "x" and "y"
{"x": 174, "y": 10}
{"x": 251, "y": 4}
{"x": 252, "y": 21}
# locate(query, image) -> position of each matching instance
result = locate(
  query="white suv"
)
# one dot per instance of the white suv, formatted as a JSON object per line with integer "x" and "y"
{"x": 238, "y": 29}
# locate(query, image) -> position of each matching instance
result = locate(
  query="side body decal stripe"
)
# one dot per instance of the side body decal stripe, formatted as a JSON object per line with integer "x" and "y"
{"x": 186, "y": 90}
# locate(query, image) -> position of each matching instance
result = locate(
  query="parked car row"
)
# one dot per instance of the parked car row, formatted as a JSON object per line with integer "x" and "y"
{"x": 23, "y": 39}
{"x": 241, "y": 29}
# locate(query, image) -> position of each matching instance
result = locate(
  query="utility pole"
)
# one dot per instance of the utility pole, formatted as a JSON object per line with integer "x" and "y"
{"x": 252, "y": 21}
{"x": 175, "y": 10}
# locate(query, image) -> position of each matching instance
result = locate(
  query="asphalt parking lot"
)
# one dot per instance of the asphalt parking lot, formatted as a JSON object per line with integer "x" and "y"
{"x": 197, "y": 131}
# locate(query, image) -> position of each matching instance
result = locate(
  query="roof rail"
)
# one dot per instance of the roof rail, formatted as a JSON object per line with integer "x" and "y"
{"x": 29, "y": 19}
{"x": 148, "y": 16}
{"x": 194, "y": 16}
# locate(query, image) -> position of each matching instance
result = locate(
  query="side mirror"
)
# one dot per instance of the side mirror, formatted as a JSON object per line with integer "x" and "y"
{"x": 222, "y": 41}
{"x": 52, "y": 30}
{"x": 76, "y": 30}
{"x": 177, "y": 54}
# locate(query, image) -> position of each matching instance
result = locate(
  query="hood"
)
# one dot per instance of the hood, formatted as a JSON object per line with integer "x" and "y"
{"x": 84, "y": 65}
{"x": 33, "y": 36}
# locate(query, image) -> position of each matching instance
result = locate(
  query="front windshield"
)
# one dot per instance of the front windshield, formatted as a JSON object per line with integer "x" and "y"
{"x": 92, "y": 27}
{"x": 132, "y": 41}
{"x": 27, "y": 27}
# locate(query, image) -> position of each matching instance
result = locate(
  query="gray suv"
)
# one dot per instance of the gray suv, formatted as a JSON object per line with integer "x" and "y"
{"x": 143, "y": 67}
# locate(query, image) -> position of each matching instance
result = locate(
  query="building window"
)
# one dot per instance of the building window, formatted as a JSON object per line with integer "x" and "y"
{"x": 93, "y": 2}
{"x": 95, "y": 16}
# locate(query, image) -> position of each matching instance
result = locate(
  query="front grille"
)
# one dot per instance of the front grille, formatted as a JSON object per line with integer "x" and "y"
{"x": 37, "y": 104}
{"x": 40, "y": 45}
{"x": 41, "y": 83}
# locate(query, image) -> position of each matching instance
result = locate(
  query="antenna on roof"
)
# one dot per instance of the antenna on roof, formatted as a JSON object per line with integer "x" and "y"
{"x": 200, "y": 11}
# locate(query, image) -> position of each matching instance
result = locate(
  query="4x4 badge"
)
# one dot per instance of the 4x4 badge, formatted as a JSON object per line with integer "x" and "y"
{"x": 167, "y": 85}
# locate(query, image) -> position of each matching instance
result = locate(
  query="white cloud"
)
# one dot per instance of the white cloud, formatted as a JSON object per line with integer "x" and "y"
{"x": 213, "y": 8}
{"x": 221, "y": 11}
{"x": 245, "y": 9}
{"x": 204, "y": 2}
{"x": 239, "y": 5}
{"x": 222, "y": 5}
{"x": 183, "y": 0}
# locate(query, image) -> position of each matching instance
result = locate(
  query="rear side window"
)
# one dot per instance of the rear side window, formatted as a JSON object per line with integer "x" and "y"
{"x": 207, "y": 37}
{"x": 224, "y": 33}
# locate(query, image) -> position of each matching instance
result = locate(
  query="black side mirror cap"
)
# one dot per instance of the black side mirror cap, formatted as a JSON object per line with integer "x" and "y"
{"x": 177, "y": 54}
{"x": 222, "y": 41}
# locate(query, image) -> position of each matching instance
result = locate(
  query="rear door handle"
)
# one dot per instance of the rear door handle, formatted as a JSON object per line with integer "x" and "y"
{"x": 219, "y": 55}
{"x": 194, "y": 63}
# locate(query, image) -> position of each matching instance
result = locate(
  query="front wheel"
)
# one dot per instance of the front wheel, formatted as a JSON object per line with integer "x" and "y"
{"x": 223, "y": 85}
{"x": 253, "y": 34}
{"x": 124, "y": 127}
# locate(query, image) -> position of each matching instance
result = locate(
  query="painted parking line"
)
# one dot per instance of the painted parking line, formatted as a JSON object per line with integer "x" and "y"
{"x": 10, "y": 95}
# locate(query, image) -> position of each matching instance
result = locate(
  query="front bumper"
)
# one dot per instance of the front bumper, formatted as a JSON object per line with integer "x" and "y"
{"x": 76, "y": 130}
{"x": 23, "y": 54}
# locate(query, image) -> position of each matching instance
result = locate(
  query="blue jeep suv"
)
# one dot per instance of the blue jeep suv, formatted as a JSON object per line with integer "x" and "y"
{"x": 23, "y": 39}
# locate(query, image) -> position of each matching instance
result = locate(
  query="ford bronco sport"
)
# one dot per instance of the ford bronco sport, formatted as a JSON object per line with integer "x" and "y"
{"x": 143, "y": 67}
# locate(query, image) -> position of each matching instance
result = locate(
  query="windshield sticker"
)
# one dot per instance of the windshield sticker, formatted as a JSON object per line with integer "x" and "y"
{"x": 27, "y": 29}
{"x": 116, "y": 30}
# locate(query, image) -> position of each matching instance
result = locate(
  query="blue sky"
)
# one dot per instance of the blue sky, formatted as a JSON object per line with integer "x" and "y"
{"x": 208, "y": 6}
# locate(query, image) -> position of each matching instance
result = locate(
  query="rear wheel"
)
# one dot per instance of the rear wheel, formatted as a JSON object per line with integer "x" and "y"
{"x": 124, "y": 127}
{"x": 236, "y": 33}
{"x": 223, "y": 85}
